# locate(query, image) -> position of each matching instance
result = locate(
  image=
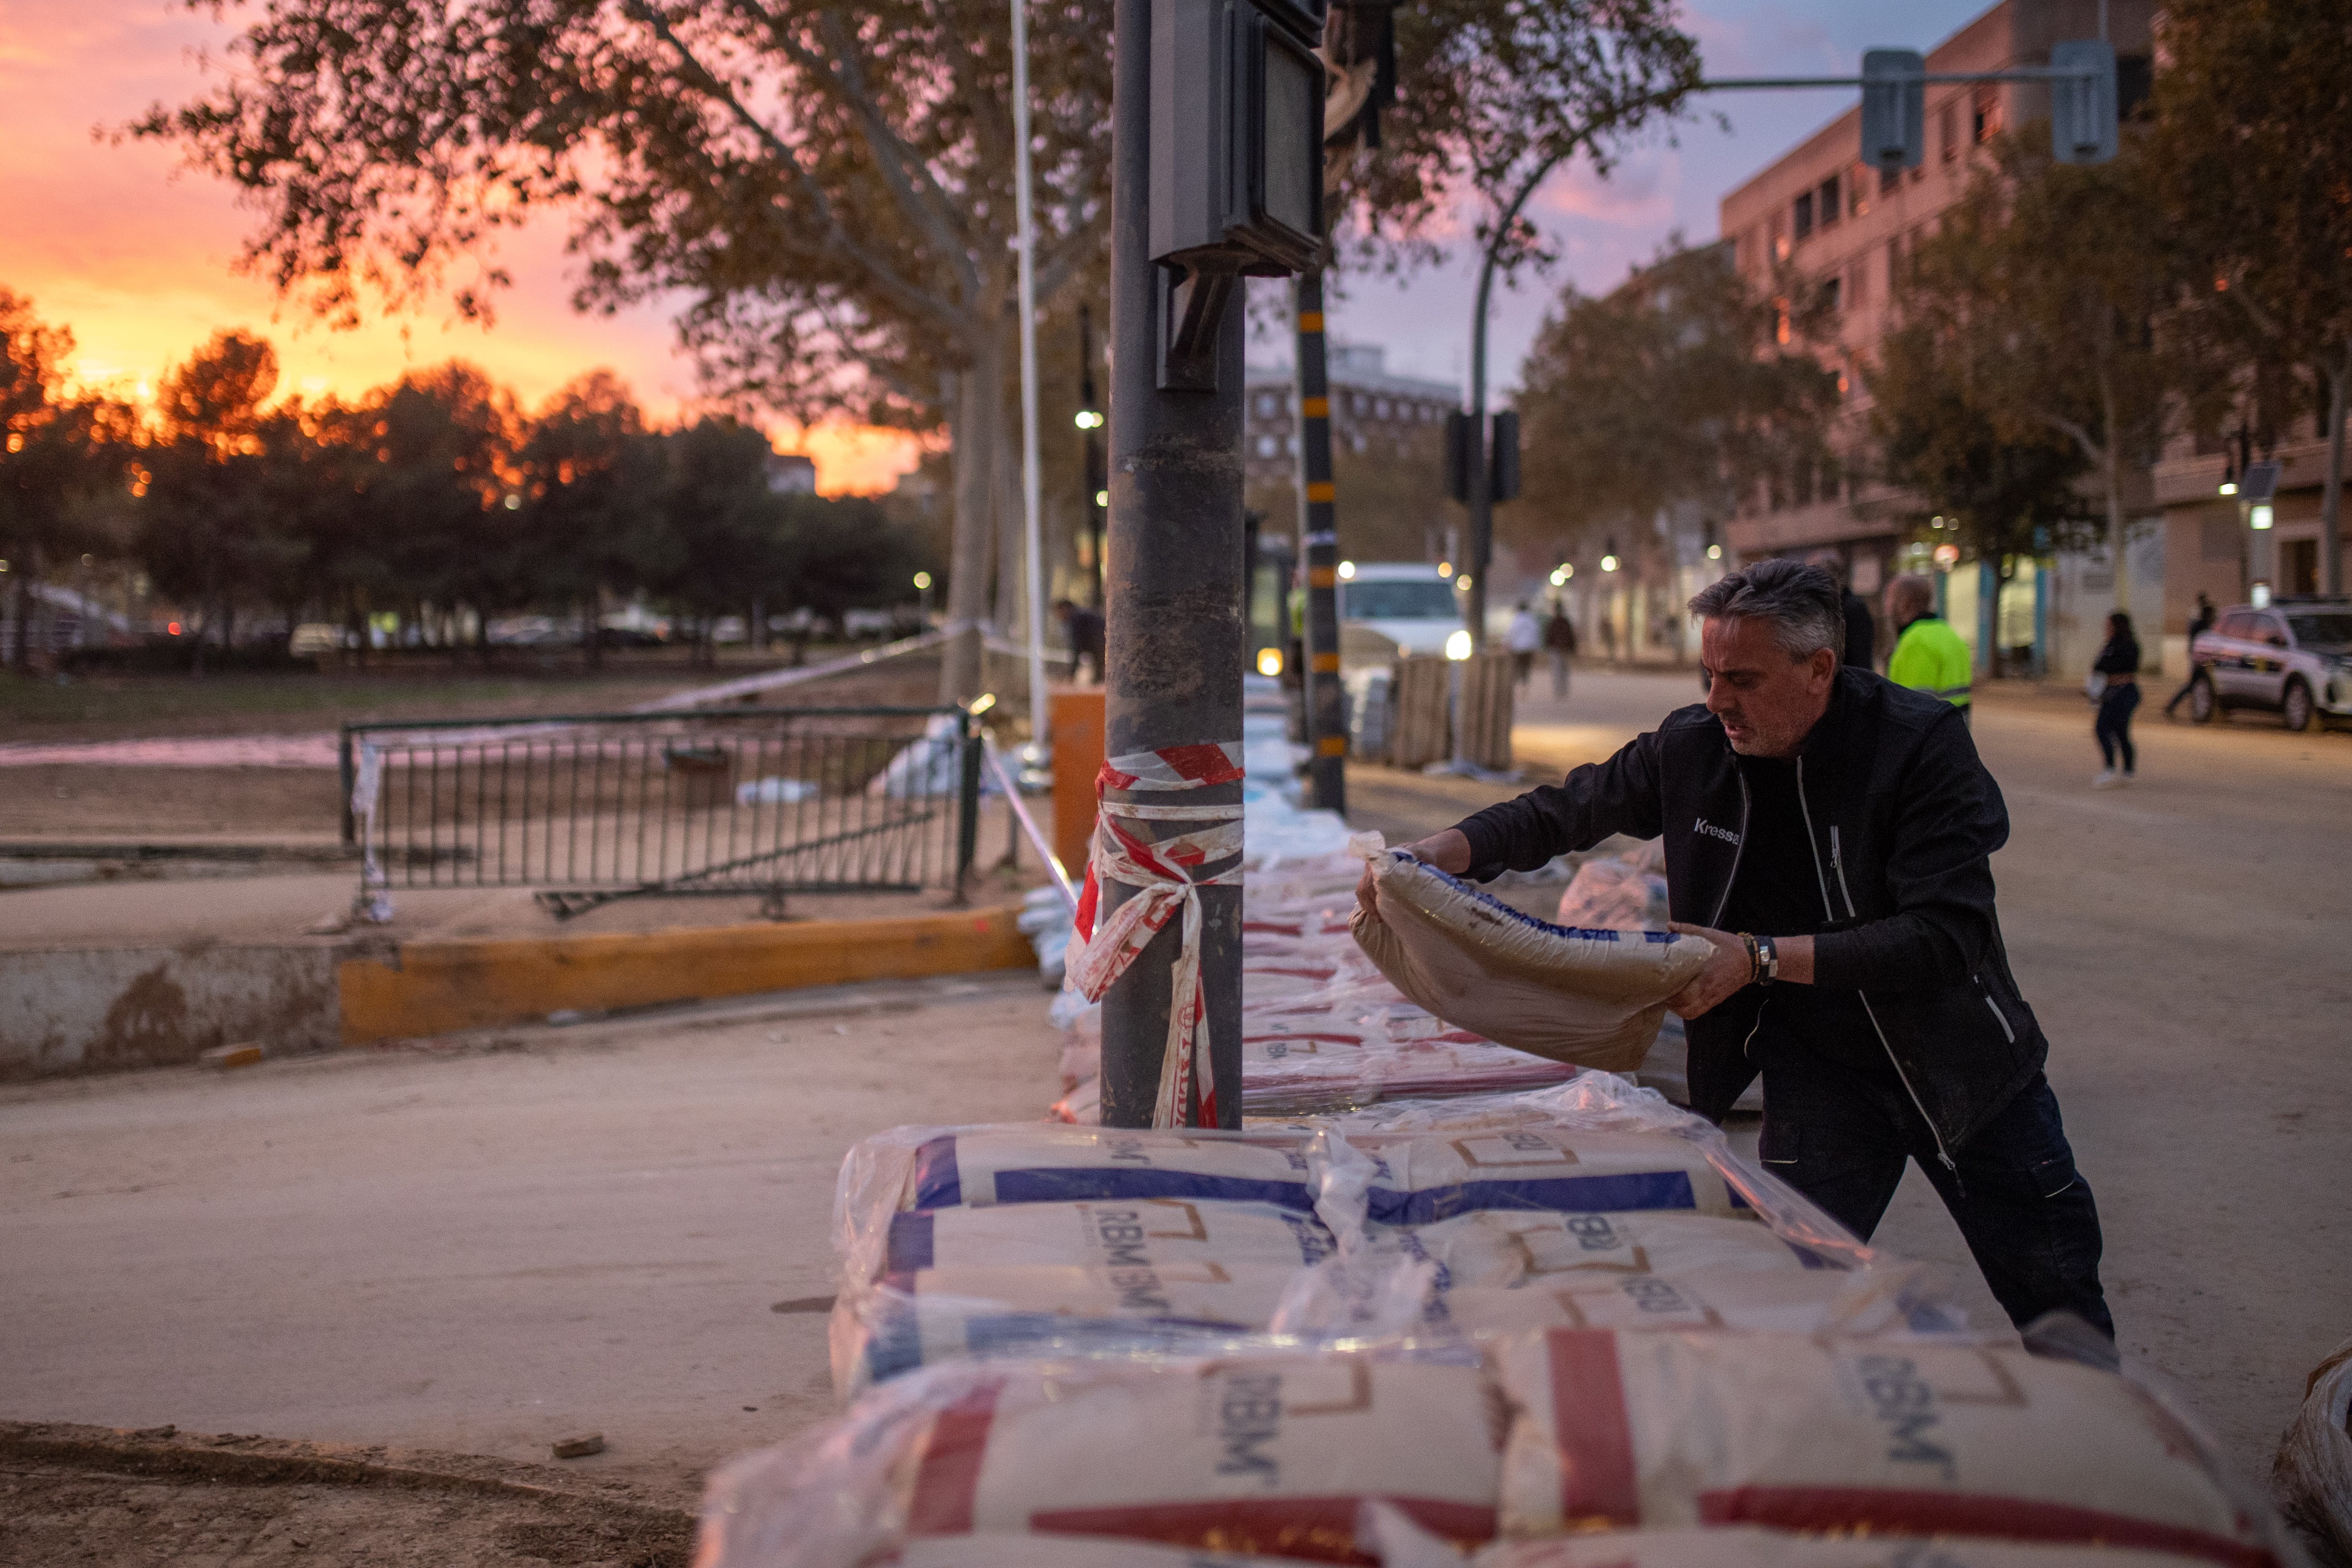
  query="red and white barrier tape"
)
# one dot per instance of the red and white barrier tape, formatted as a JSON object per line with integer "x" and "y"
{"x": 1165, "y": 872}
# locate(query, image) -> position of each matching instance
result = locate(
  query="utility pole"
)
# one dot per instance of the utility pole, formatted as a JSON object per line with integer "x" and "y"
{"x": 1324, "y": 702}
{"x": 1091, "y": 421}
{"x": 1216, "y": 117}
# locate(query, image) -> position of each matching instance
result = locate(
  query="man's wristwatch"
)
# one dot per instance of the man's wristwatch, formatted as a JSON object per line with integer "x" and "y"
{"x": 1767, "y": 960}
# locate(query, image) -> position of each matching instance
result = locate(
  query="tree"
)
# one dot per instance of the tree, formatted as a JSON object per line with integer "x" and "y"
{"x": 591, "y": 479}
{"x": 1996, "y": 496}
{"x": 832, "y": 188}
{"x": 1672, "y": 389}
{"x": 844, "y": 553}
{"x": 725, "y": 527}
{"x": 2252, "y": 150}
{"x": 58, "y": 453}
{"x": 431, "y": 526}
{"x": 2051, "y": 294}
{"x": 212, "y": 531}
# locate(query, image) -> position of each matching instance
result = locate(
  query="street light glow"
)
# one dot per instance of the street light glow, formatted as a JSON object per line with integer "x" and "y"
{"x": 922, "y": 581}
{"x": 1457, "y": 647}
{"x": 1269, "y": 662}
{"x": 1560, "y": 576}
{"x": 1090, "y": 419}
{"x": 1102, "y": 498}
{"x": 1346, "y": 569}
{"x": 1445, "y": 568}
{"x": 2258, "y": 517}
{"x": 1715, "y": 552}
{"x": 1609, "y": 563}
{"x": 2229, "y": 487}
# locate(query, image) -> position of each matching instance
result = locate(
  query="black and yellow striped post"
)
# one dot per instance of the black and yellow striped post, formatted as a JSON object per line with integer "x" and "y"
{"x": 1319, "y": 553}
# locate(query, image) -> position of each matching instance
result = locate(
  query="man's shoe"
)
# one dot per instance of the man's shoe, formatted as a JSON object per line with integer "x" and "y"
{"x": 2106, "y": 778}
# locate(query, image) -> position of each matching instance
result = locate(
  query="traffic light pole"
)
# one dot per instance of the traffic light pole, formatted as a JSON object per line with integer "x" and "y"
{"x": 1173, "y": 598}
{"x": 1319, "y": 554}
{"x": 1481, "y": 494}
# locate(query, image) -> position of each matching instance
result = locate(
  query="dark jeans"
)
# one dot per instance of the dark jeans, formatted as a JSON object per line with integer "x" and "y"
{"x": 1840, "y": 1139}
{"x": 2114, "y": 726}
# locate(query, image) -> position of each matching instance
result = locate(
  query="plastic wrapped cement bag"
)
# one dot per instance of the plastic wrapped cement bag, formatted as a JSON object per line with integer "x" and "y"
{"x": 1612, "y": 1430}
{"x": 1403, "y": 1544}
{"x": 920, "y": 1319}
{"x": 1112, "y": 1233}
{"x": 1247, "y": 1453}
{"x": 1589, "y": 997}
{"x": 1593, "y": 1102}
{"x": 1416, "y": 1180}
{"x": 1072, "y": 1552}
{"x": 2312, "y": 1473}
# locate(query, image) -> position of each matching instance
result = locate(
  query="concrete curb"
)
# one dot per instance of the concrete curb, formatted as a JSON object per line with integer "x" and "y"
{"x": 436, "y": 987}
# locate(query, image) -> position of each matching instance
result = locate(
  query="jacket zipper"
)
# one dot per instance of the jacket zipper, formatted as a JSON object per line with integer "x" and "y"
{"x": 1737, "y": 849}
{"x": 1837, "y": 860}
{"x": 1998, "y": 1016}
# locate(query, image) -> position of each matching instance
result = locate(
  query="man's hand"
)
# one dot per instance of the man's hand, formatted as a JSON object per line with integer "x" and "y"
{"x": 1728, "y": 969}
{"x": 1448, "y": 851}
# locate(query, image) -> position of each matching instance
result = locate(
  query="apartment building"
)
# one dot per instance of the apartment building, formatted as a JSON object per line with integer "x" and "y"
{"x": 1371, "y": 407}
{"x": 1843, "y": 227}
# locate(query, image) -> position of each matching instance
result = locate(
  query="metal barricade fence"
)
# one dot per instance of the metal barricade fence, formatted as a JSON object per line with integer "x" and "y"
{"x": 595, "y": 807}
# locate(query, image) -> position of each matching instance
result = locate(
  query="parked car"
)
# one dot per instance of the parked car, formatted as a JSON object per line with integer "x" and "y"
{"x": 1388, "y": 607}
{"x": 2293, "y": 656}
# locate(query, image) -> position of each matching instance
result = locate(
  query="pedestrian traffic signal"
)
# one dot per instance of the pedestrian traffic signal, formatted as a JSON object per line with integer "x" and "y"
{"x": 1503, "y": 469}
{"x": 1457, "y": 455}
{"x": 1894, "y": 109}
{"x": 1236, "y": 135}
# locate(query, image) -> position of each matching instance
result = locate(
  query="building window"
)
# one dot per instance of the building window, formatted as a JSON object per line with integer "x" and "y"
{"x": 1857, "y": 192}
{"x": 1267, "y": 445}
{"x": 1832, "y": 295}
{"x": 1382, "y": 410}
{"x": 1266, "y": 404}
{"x": 1829, "y": 202}
{"x": 1804, "y": 219}
{"x": 1894, "y": 265}
{"x": 1947, "y": 131}
{"x": 1984, "y": 119}
{"x": 1889, "y": 181}
{"x": 1780, "y": 240}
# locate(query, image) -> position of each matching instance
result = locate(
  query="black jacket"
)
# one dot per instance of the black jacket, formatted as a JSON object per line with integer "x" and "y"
{"x": 1903, "y": 820}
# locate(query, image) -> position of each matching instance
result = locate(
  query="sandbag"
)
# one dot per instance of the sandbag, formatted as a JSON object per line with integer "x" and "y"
{"x": 1403, "y": 1545}
{"x": 1270, "y": 1454}
{"x": 1075, "y": 1551}
{"x": 2313, "y": 1472}
{"x": 1415, "y": 1180}
{"x": 979, "y": 1166}
{"x": 1897, "y": 1299}
{"x": 1586, "y": 995}
{"x": 932, "y": 1315}
{"x": 1157, "y": 1233}
{"x": 1614, "y": 1430}
{"x": 1505, "y": 1248}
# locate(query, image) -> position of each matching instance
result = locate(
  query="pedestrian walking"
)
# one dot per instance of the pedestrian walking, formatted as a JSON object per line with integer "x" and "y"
{"x": 1560, "y": 636}
{"x": 2201, "y": 621}
{"x": 1928, "y": 654}
{"x": 2118, "y": 663}
{"x": 1829, "y": 833}
{"x": 1523, "y": 638}
{"x": 1084, "y": 630}
{"x": 1860, "y": 629}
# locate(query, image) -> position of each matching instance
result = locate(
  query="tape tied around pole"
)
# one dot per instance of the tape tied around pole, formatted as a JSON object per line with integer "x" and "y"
{"x": 1167, "y": 874}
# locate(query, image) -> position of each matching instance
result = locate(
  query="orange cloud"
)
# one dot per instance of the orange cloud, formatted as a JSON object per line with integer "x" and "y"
{"x": 113, "y": 240}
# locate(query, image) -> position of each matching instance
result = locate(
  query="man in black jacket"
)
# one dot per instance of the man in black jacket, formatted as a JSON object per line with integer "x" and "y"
{"x": 1829, "y": 831}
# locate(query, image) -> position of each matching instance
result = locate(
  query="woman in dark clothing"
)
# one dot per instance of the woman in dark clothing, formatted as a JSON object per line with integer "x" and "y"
{"x": 2119, "y": 662}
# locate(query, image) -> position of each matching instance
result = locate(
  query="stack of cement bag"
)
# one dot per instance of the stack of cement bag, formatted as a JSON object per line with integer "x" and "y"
{"x": 1563, "y": 1327}
{"x": 1322, "y": 1029}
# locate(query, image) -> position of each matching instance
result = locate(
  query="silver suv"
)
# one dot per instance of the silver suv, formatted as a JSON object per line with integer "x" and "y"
{"x": 2293, "y": 656}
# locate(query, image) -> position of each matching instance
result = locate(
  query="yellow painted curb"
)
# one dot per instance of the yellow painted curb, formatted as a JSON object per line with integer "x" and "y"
{"x": 433, "y": 987}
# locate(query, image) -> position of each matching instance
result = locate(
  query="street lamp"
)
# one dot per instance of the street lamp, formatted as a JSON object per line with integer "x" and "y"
{"x": 1609, "y": 563}
{"x": 923, "y": 586}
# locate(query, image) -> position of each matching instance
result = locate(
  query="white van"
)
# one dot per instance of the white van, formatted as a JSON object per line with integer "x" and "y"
{"x": 1391, "y": 607}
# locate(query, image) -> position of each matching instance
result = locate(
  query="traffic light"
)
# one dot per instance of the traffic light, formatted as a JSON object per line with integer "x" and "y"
{"x": 1894, "y": 109}
{"x": 1457, "y": 455}
{"x": 1236, "y": 135}
{"x": 1503, "y": 469}
{"x": 2082, "y": 108}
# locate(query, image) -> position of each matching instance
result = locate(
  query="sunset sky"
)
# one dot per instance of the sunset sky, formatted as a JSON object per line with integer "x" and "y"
{"x": 110, "y": 239}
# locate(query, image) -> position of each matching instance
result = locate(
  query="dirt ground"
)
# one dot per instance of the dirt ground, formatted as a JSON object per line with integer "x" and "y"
{"x": 131, "y": 1499}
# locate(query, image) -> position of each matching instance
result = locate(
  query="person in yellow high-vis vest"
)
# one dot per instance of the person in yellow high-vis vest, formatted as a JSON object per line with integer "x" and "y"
{"x": 1928, "y": 654}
